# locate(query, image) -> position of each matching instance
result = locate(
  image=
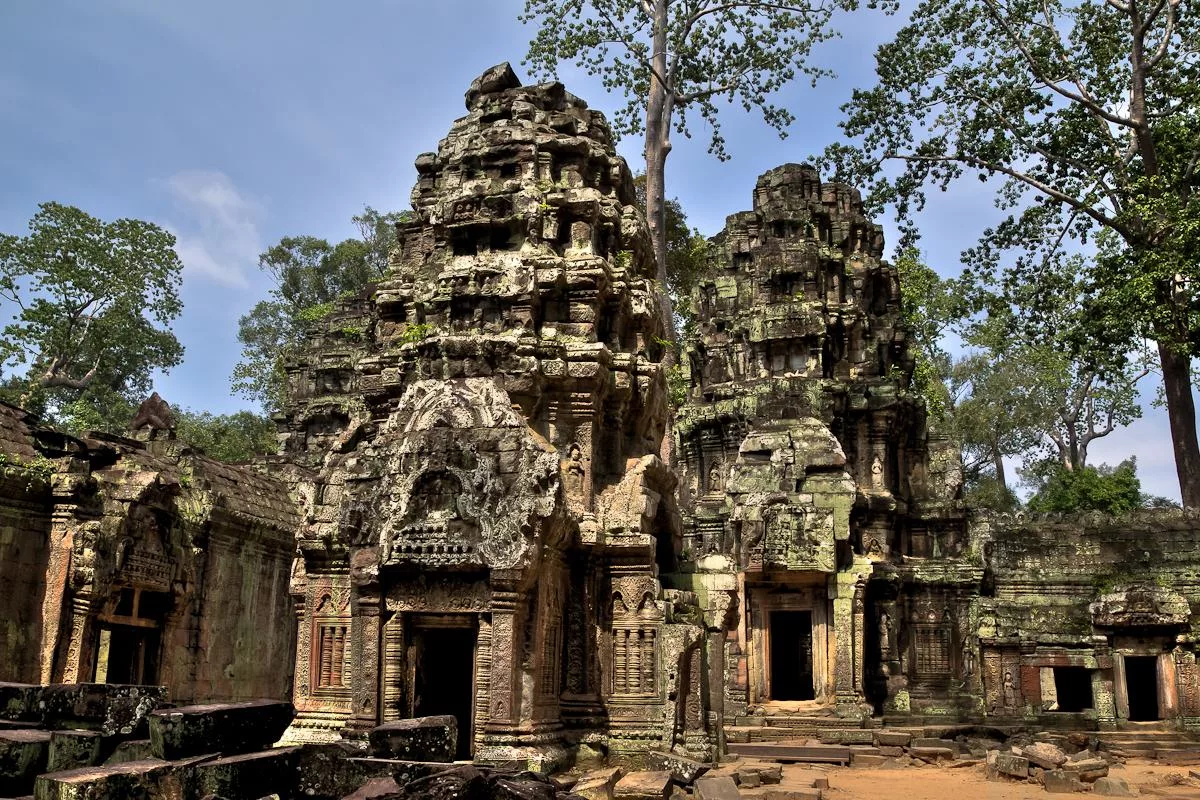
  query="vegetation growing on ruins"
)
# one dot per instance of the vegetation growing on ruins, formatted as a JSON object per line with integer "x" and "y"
{"x": 1086, "y": 114}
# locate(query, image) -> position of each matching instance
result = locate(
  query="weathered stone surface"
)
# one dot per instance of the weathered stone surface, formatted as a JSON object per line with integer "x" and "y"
{"x": 1044, "y": 755}
{"x": 23, "y": 755}
{"x": 132, "y": 780}
{"x": 748, "y": 778}
{"x": 1088, "y": 769}
{"x": 131, "y": 750}
{"x": 932, "y": 754}
{"x": 718, "y": 787}
{"x": 885, "y": 738}
{"x": 683, "y": 770}
{"x": 598, "y": 784}
{"x": 73, "y": 750}
{"x": 1058, "y": 781}
{"x": 248, "y": 775}
{"x": 1113, "y": 787}
{"x": 419, "y": 739}
{"x": 228, "y": 728}
{"x": 375, "y": 789}
{"x": 644, "y": 785}
{"x": 1011, "y": 765}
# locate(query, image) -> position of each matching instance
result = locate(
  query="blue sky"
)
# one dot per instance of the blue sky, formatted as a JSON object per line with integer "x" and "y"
{"x": 236, "y": 122}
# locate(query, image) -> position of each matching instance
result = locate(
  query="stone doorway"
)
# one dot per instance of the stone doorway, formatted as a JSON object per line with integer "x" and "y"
{"x": 130, "y": 638}
{"x": 1141, "y": 685}
{"x": 442, "y": 659}
{"x": 791, "y": 676}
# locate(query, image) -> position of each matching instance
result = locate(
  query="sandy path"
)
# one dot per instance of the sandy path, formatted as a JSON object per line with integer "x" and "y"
{"x": 938, "y": 783}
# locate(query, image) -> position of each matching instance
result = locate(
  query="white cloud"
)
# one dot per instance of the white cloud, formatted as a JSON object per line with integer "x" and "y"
{"x": 216, "y": 230}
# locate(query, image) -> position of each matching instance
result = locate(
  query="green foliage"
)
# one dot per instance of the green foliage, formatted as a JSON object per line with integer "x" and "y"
{"x": 1114, "y": 490}
{"x": 1085, "y": 113}
{"x": 37, "y": 471}
{"x": 310, "y": 275}
{"x": 233, "y": 438}
{"x": 714, "y": 53}
{"x": 931, "y": 306}
{"x": 91, "y": 307}
{"x": 415, "y": 332}
{"x": 984, "y": 490}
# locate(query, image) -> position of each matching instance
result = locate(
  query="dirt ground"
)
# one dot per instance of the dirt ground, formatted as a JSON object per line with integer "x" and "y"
{"x": 939, "y": 783}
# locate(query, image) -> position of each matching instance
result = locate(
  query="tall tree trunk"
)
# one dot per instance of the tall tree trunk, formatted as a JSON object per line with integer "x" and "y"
{"x": 659, "y": 108}
{"x": 998, "y": 465}
{"x": 1181, "y": 411}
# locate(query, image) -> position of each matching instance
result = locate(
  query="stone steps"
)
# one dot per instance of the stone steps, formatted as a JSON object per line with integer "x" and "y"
{"x": 794, "y": 752}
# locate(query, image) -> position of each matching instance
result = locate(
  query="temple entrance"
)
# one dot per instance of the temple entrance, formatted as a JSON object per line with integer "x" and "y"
{"x": 442, "y": 658}
{"x": 791, "y": 656}
{"x": 130, "y": 641}
{"x": 1141, "y": 684}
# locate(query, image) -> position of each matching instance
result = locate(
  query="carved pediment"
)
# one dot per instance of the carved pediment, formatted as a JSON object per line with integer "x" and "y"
{"x": 1140, "y": 606}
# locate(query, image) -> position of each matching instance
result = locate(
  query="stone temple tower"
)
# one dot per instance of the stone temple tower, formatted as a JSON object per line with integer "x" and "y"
{"x": 487, "y": 516}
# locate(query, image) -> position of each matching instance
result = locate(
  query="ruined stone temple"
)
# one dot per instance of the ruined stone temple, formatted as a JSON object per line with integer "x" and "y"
{"x": 471, "y": 514}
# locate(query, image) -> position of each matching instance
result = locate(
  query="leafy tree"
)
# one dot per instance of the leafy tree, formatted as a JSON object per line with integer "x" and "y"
{"x": 92, "y": 303}
{"x": 233, "y": 438}
{"x": 1115, "y": 490}
{"x": 672, "y": 58}
{"x": 309, "y": 275}
{"x": 1086, "y": 111}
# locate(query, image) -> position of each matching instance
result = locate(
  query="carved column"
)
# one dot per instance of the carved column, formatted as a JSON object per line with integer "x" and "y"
{"x": 365, "y": 607}
{"x": 78, "y": 665}
{"x": 393, "y": 704}
{"x": 58, "y": 575}
{"x": 506, "y": 649}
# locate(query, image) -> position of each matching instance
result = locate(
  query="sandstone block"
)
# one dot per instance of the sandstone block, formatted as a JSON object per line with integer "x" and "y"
{"x": 1059, "y": 781}
{"x": 130, "y": 750}
{"x": 598, "y": 784}
{"x": 867, "y": 760}
{"x": 228, "y": 728}
{"x": 1088, "y": 769}
{"x": 930, "y": 742}
{"x": 684, "y": 770}
{"x": 1012, "y": 766}
{"x": 18, "y": 701}
{"x": 418, "y": 739}
{"x": 932, "y": 754}
{"x": 248, "y": 775}
{"x": 1044, "y": 755}
{"x": 133, "y": 780}
{"x": 1113, "y": 787}
{"x": 719, "y": 787}
{"x": 890, "y": 751}
{"x": 109, "y": 708}
{"x": 645, "y": 785}
{"x": 375, "y": 789}
{"x": 73, "y": 750}
{"x": 748, "y": 778}
{"x": 23, "y": 755}
{"x": 892, "y": 738}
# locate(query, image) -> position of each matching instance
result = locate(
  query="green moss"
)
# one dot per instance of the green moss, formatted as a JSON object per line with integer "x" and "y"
{"x": 416, "y": 332}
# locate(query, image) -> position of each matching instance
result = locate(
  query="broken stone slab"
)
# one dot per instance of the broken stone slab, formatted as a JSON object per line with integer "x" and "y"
{"x": 925, "y": 741}
{"x": 932, "y": 754}
{"x": 248, "y": 775}
{"x": 1110, "y": 786}
{"x": 748, "y": 778}
{"x": 226, "y": 728}
{"x": 416, "y": 739}
{"x": 23, "y": 755}
{"x": 18, "y": 701}
{"x": 73, "y": 750}
{"x": 684, "y": 770}
{"x": 890, "y": 751}
{"x": 644, "y": 785}
{"x": 1088, "y": 769}
{"x": 892, "y": 738}
{"x": 493, "y": 80}
{"x": 1059, "y": 781}
{"x": 599, "y": 784}
{"x": 1044, "y": 755}
{"x": 768, "y": 772}
{"x": 718, "y": 787}
{"x": 777, "y": 793}
{"x": 867, "y": 760}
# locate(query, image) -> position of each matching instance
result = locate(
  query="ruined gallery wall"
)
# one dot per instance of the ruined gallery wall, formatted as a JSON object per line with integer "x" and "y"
{"x": 24, "y": 559}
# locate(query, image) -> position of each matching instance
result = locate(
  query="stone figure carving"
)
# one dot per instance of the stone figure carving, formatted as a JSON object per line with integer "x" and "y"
{"x": 968, "y": 659}
{"x": 877, "y": 473}
{"x": 155, "y": 414}
{"x": 716, "y": 483}
{"x": 1009, "y": 692}
{"x": 885, "y": 635}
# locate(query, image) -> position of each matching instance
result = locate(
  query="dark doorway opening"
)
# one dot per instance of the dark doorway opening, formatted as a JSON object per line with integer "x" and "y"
{"x": 1141, "y": 684}
{"x": 128, "y": 654}
{"x": 444, "y": 672}
{"x": 791, "y": 655}
{"x": 1073, "y": 687}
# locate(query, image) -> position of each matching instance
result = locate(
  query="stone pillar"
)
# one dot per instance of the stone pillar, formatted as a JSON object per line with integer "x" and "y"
{"x": 58, "y": 575}
{"x": 393, "y": 670}
{"x": 364, "y": 609}
{"x": 80, "y": 658}
{"x": 503, "y": 686}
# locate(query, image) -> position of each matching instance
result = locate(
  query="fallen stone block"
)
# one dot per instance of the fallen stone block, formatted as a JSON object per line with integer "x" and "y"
{"x": 248, "y": 775}
{"x": 890, "y": 751}
{"x": 109, "y": 708}
{"x": 598, "y": 784}
{"x": 133, "y": 780}
{"x": 719, "y": 787}
{"x": 227, "y": 728}
{"x": 18, "y": 702}
{"x": 855, "y": 736}
{"x": 23, "y": 755}
{"x": 684, "y": 770}
{"x": 1113, "y": 787}
{"x": 768, "y": 772}
{"x": 867, "y": 760}
{"x": 748, "y": 778}
{"x": 130, "y": 750}
{"x": 1011, "y": 766}
{"x": 1059, "y": 781}
{"x": 73, "y": 750}
{"x": 645, "y": 785}
{"x": 417, "y": 739}
{"x": 1044, "y": 755}
{"x": 1088, "y": 769}
{"x": 375, "y": 789}
{"x": 1178, "y": 758}
{"x": 892, "y": 738}
{"x": 932, "y": 754}
{"x": 930, "y": 742}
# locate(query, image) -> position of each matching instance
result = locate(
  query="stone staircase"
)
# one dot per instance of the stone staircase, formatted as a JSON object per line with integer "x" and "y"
{"x": 1157, "y": 741}
{"x": 789, "y": 727}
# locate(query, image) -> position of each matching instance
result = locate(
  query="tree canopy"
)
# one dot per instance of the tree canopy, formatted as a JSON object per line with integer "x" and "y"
{"x": 309, "y": 275}
{"x": 92, "y": 305}
{"x": 1086, "y": 113}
